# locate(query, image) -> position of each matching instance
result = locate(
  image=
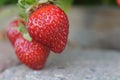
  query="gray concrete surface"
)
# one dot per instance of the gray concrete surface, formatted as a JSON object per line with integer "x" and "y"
{"x": 7, "y": 56}
{"x": 72, "y": 64}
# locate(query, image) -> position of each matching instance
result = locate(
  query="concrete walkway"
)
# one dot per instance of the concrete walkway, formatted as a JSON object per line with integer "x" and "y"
{"x": 72, "y": 64}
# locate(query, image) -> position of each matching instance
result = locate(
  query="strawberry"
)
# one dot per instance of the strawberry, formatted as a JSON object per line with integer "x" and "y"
{"x": 31, "y": 53}
{"x": 118, "y": 2}
{"x": 12, "y": 32}
{"x": 49, "y": 25}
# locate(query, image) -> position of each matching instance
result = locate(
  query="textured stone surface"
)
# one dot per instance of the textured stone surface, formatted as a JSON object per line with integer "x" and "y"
{"x": 7, "y": 56}
{"x": 73, "y": 64}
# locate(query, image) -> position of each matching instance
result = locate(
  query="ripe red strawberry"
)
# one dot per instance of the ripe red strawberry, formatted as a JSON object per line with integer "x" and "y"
{"x": 31, "y": 53}
{"x": 12, "y": 32}
{"x": 49, "y": 25}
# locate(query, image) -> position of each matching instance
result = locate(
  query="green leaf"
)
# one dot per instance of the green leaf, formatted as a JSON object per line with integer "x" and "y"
{"x": 2, "y": 2}
{"x": 22, "y": 29}
{"x": 29, "y": 2}
{"x": 21, "y": 3}
{"x": 64, "y": 4}
{"x": 106, "y": 1}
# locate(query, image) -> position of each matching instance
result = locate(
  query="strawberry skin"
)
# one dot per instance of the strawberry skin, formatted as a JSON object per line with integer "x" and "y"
{"x": 12, "y": 32}
{"x": 49, "y": 25}
{"x": 32, "y": 54}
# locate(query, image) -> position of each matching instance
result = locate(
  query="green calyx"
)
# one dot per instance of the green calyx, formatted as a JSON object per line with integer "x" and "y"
{"x": 27, "y": 5}
{"x": 23, "y": 15}
{"x": 29, "y": 2}
{"x": 22, "y": 29}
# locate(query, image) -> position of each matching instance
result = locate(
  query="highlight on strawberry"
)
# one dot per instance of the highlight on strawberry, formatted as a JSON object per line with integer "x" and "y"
{"x": 45, "y": 29}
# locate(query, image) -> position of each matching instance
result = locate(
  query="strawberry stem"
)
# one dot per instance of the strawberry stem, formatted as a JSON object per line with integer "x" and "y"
{"x": 27, "y": 37}
{"x": 22, "y": 29}
{"x": 23, "y": 15}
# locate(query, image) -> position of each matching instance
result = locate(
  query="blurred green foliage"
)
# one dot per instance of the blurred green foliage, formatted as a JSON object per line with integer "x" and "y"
{"x": 65, "y": 4}
{"x": 95, "y": 2}
{"x": 78, "y": 2}
{"x": 6, "y": 2}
